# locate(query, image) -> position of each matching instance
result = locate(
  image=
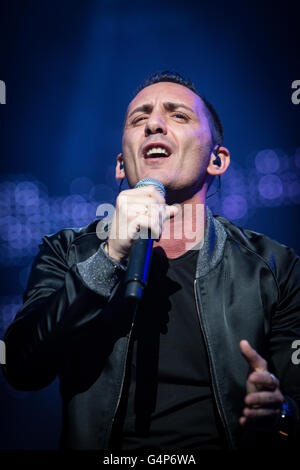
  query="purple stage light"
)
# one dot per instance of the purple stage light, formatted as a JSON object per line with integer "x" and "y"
{"x": 267, "y": 161}
{"x": 22, "y": 240}
{"x": 80, "y": 213}
{"x": 270, "y": 187}
{"x": 10, "y": 228}
{"x": 27, "y": 213}
{"x": 69, "y": 203}
{"x": 234, "y": 207}
{"x": 27, "y": 194}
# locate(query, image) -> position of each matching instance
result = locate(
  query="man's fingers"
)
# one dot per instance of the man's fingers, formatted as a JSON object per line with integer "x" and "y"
{"x": 242, "y": 420}
{"x": 148, "y": 191}
{"x": 260, "y": 418}
{"x": 264, "y": 380}
{"x": 264, "y": 399}
{"x": 256, "y": 362}
{"x": 140, "y": 226}
{"x": 259, "y": 412}
{"x": 171, "y": 211}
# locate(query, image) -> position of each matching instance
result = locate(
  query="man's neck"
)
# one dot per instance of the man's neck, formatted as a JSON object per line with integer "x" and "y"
{"x": 185, "y": 230}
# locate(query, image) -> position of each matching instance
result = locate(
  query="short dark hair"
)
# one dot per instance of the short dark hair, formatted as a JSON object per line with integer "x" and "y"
{"x": 215, "y": 124}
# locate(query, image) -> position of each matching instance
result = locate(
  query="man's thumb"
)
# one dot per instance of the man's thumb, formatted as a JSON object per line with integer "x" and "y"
{"x": 256, "y": 362}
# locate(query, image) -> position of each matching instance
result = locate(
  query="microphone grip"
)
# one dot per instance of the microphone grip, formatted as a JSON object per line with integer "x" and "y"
{"x": 141, "y": 253}
{"x": 138, "y": 268}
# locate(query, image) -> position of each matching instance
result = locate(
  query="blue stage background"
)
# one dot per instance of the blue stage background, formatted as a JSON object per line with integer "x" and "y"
{"x": 70, "y": 69}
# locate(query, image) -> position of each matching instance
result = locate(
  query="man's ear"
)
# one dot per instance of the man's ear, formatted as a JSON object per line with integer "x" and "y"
{"x": 120, "y": 171}
{"x": 215, "y": 169}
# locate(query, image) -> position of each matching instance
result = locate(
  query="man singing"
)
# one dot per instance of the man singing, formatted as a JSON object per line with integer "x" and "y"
{"x": 205, "y": 362}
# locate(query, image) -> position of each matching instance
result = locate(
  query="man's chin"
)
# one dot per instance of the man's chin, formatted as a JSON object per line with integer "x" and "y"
{"x": 159, "y": 175}
{"x": 172, "y": 183}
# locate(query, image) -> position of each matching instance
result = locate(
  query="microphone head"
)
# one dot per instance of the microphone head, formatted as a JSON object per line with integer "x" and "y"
{"x": 152, "y": 182}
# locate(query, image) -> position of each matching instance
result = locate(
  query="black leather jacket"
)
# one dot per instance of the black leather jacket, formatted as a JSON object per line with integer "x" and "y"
{"x": 74, "y": 324}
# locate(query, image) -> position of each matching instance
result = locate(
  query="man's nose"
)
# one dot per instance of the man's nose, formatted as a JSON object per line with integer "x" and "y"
{"x": 155, "y": 125}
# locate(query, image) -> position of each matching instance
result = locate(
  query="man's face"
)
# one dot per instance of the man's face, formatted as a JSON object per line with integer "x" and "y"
{"x": 171, "y": 118}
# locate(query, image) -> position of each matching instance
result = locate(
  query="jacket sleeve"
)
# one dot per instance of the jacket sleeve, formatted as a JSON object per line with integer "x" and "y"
{"x": 285, "y": 330}
{"x": 59, "y": 301}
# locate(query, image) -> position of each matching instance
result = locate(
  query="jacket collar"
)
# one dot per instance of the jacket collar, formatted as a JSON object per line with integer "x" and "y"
{"x": 212, "y": 249}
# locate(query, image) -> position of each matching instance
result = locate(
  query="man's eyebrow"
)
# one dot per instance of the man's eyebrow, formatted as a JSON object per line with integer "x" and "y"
{"x": 145, "y": 108}
{"x": 169, "y": 106}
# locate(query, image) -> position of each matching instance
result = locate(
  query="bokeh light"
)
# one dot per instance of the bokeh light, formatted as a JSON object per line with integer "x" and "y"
{"x": 234, "y": 207}
{"x": 270, "y": 186}
{"x": 27, "y": 212}
{"x": 267, "y": 161}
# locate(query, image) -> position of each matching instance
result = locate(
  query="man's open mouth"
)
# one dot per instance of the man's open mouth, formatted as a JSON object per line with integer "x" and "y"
{"x": 156, "y": 151}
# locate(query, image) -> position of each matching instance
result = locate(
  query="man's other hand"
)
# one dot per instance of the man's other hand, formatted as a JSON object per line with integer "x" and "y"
{"x": 263, "y": 399}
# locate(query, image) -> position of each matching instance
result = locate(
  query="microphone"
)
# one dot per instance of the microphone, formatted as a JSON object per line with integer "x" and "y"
{"x": 138, "y": 268}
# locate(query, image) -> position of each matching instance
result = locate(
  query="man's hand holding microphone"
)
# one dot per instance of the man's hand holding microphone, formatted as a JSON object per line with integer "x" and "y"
{"x": 137, "y": 210}
{"x": 139, "y": 219}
